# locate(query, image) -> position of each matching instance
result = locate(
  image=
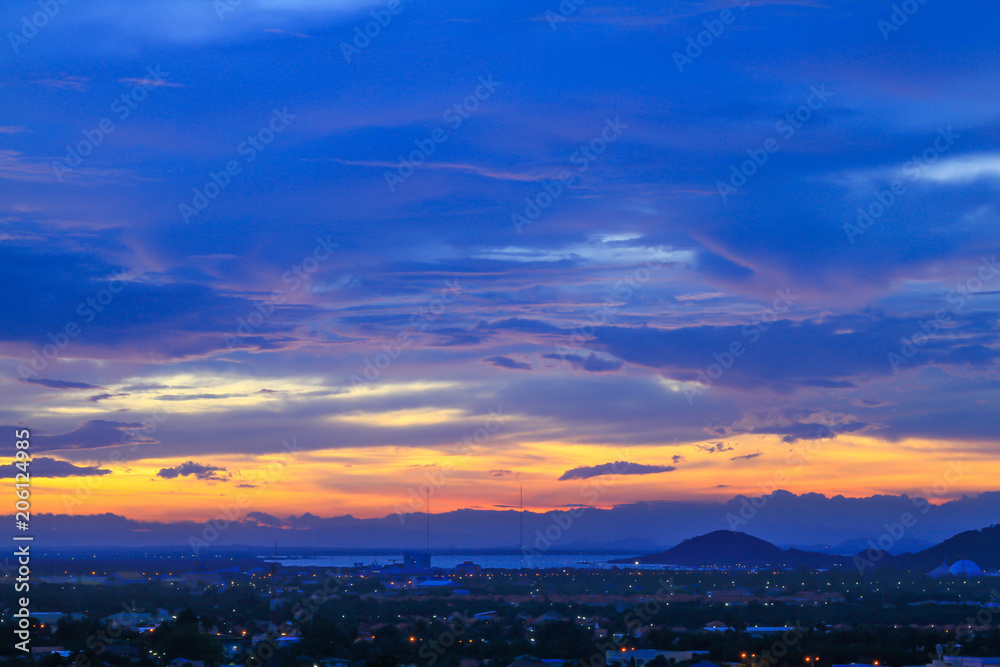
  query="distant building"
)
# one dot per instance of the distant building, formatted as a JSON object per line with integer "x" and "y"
{"x": 645, "y": 655}
{"x": 416, "y": 560}
{"x": 531, "y": 661}
{"x": 965, "y": 568}
{"x": 941, "y": 570}
{"x": 551, "y": 617}
{"x": 435, "y": 583}
{"x": 468, "y": 567}
{"x": 964, "y": 661}
{"x": 123, "y": 578}
{"x": 182, "y": 662}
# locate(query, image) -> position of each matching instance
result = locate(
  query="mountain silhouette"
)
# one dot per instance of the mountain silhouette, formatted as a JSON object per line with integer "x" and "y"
{"x": 981, "y": 546}
{"x": 727, "y": 548}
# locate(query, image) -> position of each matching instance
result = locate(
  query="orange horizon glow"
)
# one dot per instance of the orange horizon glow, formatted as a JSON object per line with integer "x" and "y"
{"x": 392, "y": 479}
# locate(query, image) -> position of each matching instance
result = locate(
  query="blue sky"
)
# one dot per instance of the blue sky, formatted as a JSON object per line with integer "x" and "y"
{"x": 790, "y": 238}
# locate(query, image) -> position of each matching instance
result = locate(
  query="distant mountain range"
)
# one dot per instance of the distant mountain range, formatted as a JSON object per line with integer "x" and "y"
{"x": 726, "y": 548}
{"x": 811, "y": 522}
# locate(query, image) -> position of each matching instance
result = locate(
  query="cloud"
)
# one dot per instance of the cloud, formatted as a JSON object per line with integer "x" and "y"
{"x": 500, "y": 473}
{"x": 43, "y": 466}
{"x": 591, "y": 363}
{"x": 265, "y": 519}
{"x": 59, "y": 384}
{"x": 964, "y": 169}
{"x": 147, "y": 83}
{"x": 198, "y": 470}
{"x": 745, "y": 457}
{"x": 616, "y": 468}
{"x": 79, "y": 84}
{"x": 832, "y": 352}
{"x": 93, "y": 434}
{"x": 507, "y": 362}
{"x": 794, "y": 424}
{"x": 715, "y": 448}
{"x": 97, "y": 398}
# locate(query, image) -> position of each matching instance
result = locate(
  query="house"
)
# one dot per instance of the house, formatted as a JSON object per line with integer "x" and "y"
{"x": 432, "y": 584}
{"x": 182, "y": 662}
{"x": 643, "y": 656}
{"x": 551, "y": 617}
{"x": 124, "y": 578}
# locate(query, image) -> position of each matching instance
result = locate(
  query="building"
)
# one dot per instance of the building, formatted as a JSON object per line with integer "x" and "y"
{"x": 645, "y": 655}
{"x": 182, "y": 662}
{"x": 941, "y": 570}
{"x": 416, "y": 560}
{"x": 965, "y": 568}
{"x": 468, "y": 567}
{"x": 963, "y": 661}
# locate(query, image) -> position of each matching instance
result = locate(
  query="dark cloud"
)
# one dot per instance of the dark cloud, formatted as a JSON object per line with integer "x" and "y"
{"x": 591, "y": 363}
{"x": 265, "y": 519}
{"x": 835, "y": 352}
{"x": 93, "y": 434}
{"x": 616, "y": 468}
{"x": 198, "y": 470}
{"x": 43, "y": 466}
{"x": 715, "y": 448}
{"x": 507, "y": 362}
{"x": 745, "y": 457}
{"x": 97, "y": 398}
{"x": 59, "y": 384}
{"x": 500, "y": 473}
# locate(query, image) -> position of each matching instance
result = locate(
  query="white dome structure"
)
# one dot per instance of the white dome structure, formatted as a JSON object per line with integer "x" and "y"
{"x": 965, "y": 568}
{"x": 941, "y": 570}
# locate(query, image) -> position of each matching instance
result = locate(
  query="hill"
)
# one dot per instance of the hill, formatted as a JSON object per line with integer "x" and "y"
{"x": 981, "y": 546}
{"x": 726, "y": 548}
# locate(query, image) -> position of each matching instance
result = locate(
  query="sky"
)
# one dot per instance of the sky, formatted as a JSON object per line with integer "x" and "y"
{"x": 336, "y": 256}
